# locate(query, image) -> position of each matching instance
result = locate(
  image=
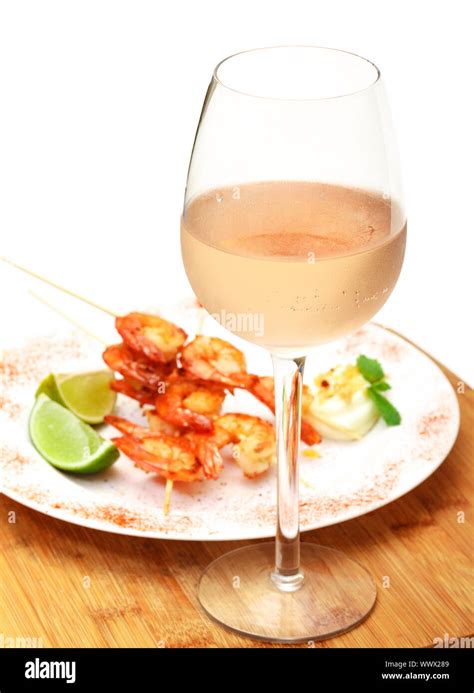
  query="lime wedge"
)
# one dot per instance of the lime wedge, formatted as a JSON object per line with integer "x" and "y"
{"x": 65, "y": 441}
{"x": 88, "y": 395}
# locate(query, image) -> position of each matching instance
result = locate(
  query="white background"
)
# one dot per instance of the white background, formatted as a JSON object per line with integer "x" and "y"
{"x": 99, "y": 103}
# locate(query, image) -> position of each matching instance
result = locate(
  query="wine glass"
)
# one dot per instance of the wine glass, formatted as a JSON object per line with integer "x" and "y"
{"x": 293, "y": 234}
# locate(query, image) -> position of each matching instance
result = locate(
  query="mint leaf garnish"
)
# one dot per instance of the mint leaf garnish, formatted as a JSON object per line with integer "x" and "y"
{"x": 370, "y": 369}
{"x": 386, "y": 409}
{"x": 381, "y": 386}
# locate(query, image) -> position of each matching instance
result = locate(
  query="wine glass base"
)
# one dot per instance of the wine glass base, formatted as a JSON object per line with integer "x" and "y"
{"x": 237, "y": 591}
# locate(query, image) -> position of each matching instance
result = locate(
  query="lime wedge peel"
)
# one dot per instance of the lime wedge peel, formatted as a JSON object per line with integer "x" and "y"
{"x": 65, "y": 441}
{"x": 88, "y": 395}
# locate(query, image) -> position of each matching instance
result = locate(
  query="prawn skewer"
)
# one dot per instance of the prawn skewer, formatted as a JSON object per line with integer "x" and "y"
{"x": 191, "y": 400}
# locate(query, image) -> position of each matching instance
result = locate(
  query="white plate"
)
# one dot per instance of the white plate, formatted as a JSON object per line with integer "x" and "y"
{"x": 348, "y": 480}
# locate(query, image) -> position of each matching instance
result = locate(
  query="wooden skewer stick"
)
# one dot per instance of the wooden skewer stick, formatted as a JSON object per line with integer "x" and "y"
{"x": 168, "y": 491}
{"x": 201, "y": 319}
{"x": 67, "y": 317}
{"x": 65, "y": 290}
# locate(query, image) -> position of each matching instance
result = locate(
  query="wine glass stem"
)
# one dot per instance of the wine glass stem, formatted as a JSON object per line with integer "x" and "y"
{"x": 288, "y": 376}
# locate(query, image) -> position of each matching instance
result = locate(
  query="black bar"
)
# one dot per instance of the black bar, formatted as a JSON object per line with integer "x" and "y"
{"x": 312, "y": 668}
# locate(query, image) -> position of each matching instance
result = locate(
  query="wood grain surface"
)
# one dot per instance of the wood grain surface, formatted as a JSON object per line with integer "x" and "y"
{"x": 68, "y": 586}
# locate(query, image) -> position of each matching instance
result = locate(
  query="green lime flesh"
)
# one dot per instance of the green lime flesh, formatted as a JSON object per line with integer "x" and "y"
{"x": 65, "y": 441}
{"x": 88, "y": 395}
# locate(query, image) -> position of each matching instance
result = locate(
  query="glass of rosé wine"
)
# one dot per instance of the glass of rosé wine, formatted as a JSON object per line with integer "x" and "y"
{"x": 293, "y": 212}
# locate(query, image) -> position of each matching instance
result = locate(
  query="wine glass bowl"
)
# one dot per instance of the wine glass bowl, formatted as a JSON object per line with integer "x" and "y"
{"x": 293, "y": 234}
{"x": 318, "y": 259}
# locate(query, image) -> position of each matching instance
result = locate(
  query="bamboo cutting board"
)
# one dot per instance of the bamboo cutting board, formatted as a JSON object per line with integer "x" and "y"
{"x": 67, "y": 586}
